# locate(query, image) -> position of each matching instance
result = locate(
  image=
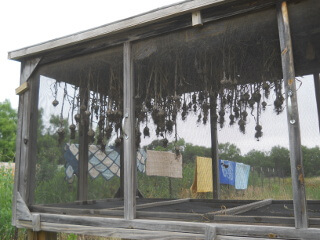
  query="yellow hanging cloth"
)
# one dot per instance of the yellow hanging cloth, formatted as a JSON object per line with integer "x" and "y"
{"x": 202, "y": 176}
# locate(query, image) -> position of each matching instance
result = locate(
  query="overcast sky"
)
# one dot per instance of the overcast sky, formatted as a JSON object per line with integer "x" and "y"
{"x": 25, "y": 23}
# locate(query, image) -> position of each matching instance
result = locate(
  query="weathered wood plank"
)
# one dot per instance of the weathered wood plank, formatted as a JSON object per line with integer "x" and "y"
{"x": 121, "y": 223}
{"x": 58, "y": 210}
{"x": 17, "y": 159}
{"x": 240, "y": 238}
{"x": 33, "y": 128}
{"x": 27, "y": 146}
{"x": 115, "y": 232}
{"x": 255, "y": 219}
{"x": 231, "y": 230}
{"x": 316, "y": 78}
{"x": 156, "y": 204}
{"x": 243, "y": 208}
{"x": 129, "y": 145}
{"x": 155, "y": 29}
{"x": 22, "y": 211}
{"x": 126, "y": 24}
{"x": 27, "y": 69}
{"x": 210, "y": 233}
{"x": 296, "y": 163}
{"x": 36, "y": 224}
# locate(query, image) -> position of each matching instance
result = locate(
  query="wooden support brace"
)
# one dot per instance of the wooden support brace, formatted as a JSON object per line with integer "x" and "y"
{"x": 296, "y": 163}
{"x": 156, "y": 204}
{"x": 22, "y": 88}
{"x": 128, "y": 126}
{"x": 244, "y": 208}
{"x": 196, "y": 19}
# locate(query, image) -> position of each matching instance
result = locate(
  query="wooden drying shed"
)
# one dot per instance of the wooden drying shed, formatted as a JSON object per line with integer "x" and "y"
{"x": 279, "y": 33}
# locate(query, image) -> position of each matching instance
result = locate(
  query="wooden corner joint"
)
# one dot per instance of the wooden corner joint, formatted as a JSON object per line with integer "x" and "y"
{"x": 22, "y": 88}
{"x": 36, "y": 224}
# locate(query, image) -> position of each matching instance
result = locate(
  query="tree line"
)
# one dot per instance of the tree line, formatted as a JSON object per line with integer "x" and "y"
{"x": 277, "y": 158}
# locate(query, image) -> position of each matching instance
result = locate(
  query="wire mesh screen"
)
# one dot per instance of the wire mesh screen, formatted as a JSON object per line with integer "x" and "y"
{"x": 225, "y": 75}
{"x": 306, "y": 55}
{"x": 310, "y": 135}
{"x": 80, "y": 112}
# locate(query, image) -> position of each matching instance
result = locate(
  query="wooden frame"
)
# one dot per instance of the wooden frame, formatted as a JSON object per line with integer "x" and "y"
{"x": 296, "y": 163}
{"x": 165, "y": 20}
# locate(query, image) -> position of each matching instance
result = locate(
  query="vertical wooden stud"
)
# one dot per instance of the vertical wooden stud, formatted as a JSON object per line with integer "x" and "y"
{"x": 25, "y": 159}
{"x": 83, "y": 148}
{"x": 297, "y": 173}
{"x": 41, "y": 235}
{"x": 316, "y": 78}
{"x": 130, "y": 165}
{"x": 210, "y": 233}
{"x": 214, "y": 148}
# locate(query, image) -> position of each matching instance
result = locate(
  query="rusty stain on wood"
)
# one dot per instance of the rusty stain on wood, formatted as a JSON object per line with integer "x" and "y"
{"x": 301, "y": 178}
{"x": 290, "y": 81}
{"x": 272, "y": 235}
{"x": 284, "y": 51}
{"x": 284, "y": 10}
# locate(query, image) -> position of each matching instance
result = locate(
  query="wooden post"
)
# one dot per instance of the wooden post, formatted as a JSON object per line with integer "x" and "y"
{"x": 130, "y": 165}
{"x": 83, "y": 148}
{"x": 41, "y": 235}
{"x": 316, "y": 78}
{"x": 214, "y": 148}
{"x": 33, "y": 128}
{"x": 297, "y": 173}
{"x": 26, "y": 136}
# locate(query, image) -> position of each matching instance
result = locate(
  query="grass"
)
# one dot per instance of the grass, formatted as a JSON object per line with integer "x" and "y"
{"x": 6, "y": 187}
{"x": 58, "y": 190}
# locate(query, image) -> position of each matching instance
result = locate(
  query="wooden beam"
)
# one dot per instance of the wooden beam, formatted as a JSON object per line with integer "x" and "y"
{"x": 316, "y": 78}
{"x": 297, "y": 173}
{"x": 155, "y": 29}
{"x": 244, "y": 208}
{"x": 115, "y": 232}
{"x": 83, "y": 148}
{"x": 156, "y": 204}
{"x": 288, "y": 221}
{"x": 222, "y": 229}
{"x": 187, "y": 227}
{"x": 214, "y": 148}
{"x": 129, "y": 145}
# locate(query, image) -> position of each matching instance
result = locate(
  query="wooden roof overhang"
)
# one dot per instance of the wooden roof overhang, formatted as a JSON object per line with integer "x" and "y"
{"x": 303, "y": 15}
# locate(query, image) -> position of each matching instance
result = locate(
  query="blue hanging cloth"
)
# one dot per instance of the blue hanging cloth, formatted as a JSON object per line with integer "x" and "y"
{"x": 227, "y": 172}
{"x": 242, "y": 176}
